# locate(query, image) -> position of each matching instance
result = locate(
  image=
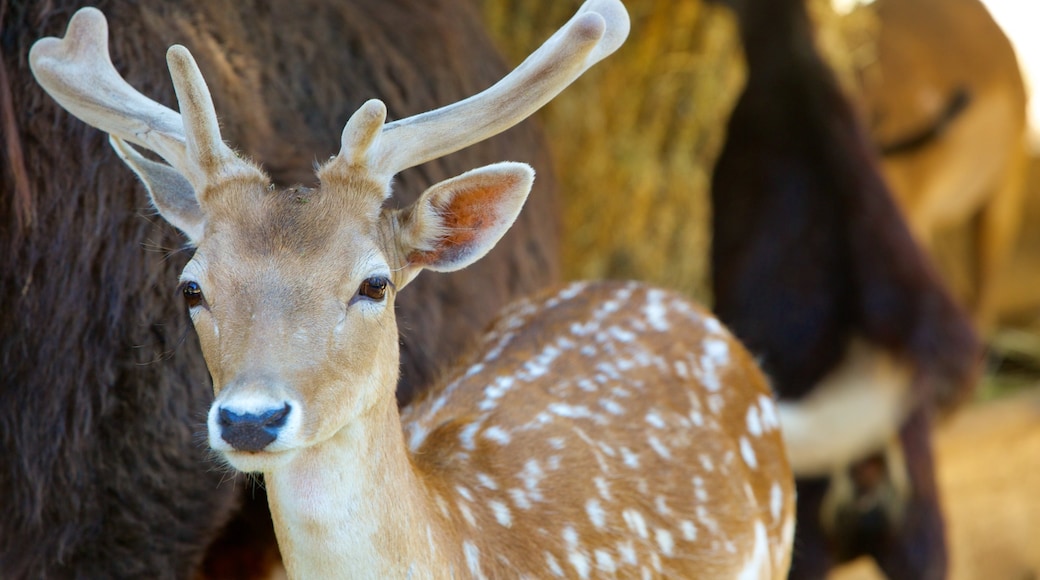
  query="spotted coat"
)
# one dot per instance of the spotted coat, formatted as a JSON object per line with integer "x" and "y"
{"x": 609, "y": 429}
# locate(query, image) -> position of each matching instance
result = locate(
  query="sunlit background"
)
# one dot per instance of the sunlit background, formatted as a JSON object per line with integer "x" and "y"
{"x": 1020, "y": 20}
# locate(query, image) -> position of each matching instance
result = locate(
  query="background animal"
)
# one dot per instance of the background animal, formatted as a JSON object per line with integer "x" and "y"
{"x": 103, "y": 391}
{"x": 813, "y": 266}
{"x": 947, "y": 106}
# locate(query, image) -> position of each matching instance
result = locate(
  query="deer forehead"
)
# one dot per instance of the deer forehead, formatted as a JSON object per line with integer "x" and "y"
{"x": 314, "y": 240}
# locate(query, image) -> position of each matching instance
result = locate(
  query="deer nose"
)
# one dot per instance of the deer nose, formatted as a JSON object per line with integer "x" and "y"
{"x": 252, "y": 432}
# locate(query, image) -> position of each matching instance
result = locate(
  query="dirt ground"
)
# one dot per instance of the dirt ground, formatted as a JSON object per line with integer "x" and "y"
{"x": 989, "y": 472}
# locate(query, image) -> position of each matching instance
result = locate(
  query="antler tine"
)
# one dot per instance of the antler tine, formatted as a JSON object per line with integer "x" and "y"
{"x": 211, "y": 157}
{"x": 596, "y": 30}
{"x": 77, "y": 72}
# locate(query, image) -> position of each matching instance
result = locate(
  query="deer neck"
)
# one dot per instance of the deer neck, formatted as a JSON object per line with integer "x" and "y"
{"x": 355, "y": 506}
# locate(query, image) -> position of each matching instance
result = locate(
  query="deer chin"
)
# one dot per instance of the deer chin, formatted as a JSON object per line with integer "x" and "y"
{"x": 257, "y": 461}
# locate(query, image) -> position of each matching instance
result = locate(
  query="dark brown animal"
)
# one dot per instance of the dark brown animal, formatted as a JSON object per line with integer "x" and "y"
{"x": 811, "y": 257}
{"x": 103, "y": 391}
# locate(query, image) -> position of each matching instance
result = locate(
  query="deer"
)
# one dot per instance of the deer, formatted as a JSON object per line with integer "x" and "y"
{"x": 946, "y": 103}
{"x": 104, "y": 391}
{"x": 601, "y": 428}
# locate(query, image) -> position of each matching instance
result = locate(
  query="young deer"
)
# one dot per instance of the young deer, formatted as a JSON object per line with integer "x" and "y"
{"x": 607, "y": 429}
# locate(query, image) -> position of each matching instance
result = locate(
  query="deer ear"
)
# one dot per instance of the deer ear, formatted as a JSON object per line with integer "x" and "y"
{"x": 455, "y": 222}
{"x": 171, "y": 194}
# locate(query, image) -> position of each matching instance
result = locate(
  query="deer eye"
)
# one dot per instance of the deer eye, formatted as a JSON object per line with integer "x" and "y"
{"x": 192, "y": 294}
{"x": 374, "y": 288}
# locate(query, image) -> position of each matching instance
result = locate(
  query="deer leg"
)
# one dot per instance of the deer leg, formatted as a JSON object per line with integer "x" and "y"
{"x": 998, "y": 228}
{"x": 916, "y": 548}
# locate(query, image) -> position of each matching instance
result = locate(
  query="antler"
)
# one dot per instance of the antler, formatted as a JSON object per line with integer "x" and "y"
{"x": 77, "y": 72}
{"x": 596, "y": 30}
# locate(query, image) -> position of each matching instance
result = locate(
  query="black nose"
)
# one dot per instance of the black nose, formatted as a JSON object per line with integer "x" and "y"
{"x": 249, "y": 432}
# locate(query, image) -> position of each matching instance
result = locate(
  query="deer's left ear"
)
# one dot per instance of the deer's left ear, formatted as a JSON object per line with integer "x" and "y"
{"x": 455, "y": 222}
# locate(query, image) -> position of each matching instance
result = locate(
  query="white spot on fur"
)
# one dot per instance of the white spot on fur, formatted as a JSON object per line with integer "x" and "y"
{"x": 707, "y": 521}
{"x": 681, "y": 369}
{"x": 570, "y": 411}
{"x": 620, "y": 334}
{"x": 611, "y": 406}
{"x": 602, "y": 487}
{"x": 630, "y": 458}
{"x": 577, "y": 559}
{"x": 655, "y": 311}
{"x": 486, "y": 481}
{"x": 658, "y": 447}
{"x": 532, "y": 476}
{"x": 572, "y": 290}
{"x": 417, "y": 437}
{"x": 706, "y": 462}
{"x": 468, "y": 433}
{"x": 540, "y": 364}
{"x": 605, "y": 562}
{"x": 635, "y": 522}
{"x": 464, "y": 492}
{"x": 770, "y": 419}
{"x": 597, "y": 515}
{"x": 553, "y": 462}
{"x": 748, "y": 453}
{"x": 496, "y": 391}
{"x": 661, "y": 505}
{"x": 716, "y": 403}
{"x": 467, "y": 514}
{"x": 498, "y": 435}
{"x": 627, "y": 552}
{"x": 520, "y": 498}
{"x": 570, "y": 535}
{"x": 754, "y": 424}
{"x": 581, "y": 563}
{"x": 502, "y": 513}
{"x": 620, "y": 393}
{"x": 579, "y": 329}
{"x": 554, "y": 566}
{"x": 776, "y": 500}
{"x": 665, "y": 541}
{"x": 696, "y": 418}
{"x": 713, "y": 326}
{"x": 655, "y": 420}
{"x": 443, "y": 505}
{"x": 689, "y": 531}
{"x": 758, "y": 566}
{"x": 472, "y": 559}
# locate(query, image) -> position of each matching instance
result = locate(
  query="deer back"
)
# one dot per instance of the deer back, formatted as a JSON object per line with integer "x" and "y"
{"x": 610, "y": 426}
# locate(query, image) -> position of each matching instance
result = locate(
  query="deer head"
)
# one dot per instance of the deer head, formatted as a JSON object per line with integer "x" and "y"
{"x": 292, "y": 290}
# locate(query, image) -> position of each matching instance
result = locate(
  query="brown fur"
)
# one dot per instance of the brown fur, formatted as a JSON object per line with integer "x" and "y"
{"x": 103, "y": 392}
{"x": 810, "y": 251}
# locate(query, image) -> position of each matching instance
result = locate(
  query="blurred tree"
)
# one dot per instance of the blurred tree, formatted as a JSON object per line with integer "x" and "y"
{"x": 635, "y": 140}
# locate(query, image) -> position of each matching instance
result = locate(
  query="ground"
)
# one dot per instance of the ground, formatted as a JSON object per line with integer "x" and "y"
{"x": 989, "y": 472}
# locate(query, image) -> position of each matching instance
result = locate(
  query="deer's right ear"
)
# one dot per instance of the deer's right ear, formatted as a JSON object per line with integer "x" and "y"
{"x": 455, "y": 222}
{"x": 171, "y": 194}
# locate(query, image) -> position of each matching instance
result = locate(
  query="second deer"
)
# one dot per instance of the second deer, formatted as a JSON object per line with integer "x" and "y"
{"x": 603, "y": 429}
